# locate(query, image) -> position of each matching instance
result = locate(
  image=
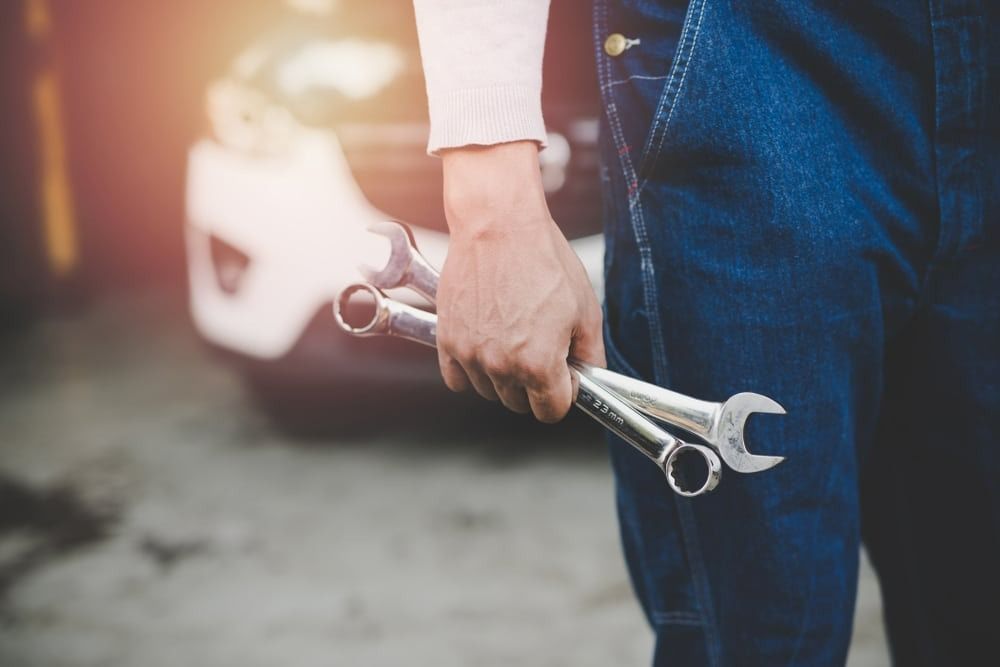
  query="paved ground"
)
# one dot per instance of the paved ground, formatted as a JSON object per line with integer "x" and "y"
{"x": 150, "y": 515}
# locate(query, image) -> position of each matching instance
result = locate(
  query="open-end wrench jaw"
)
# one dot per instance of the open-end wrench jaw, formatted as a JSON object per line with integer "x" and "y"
{"x": 400, "y": 241}
{"x": 729, "y": 427}
{"x": 406, "y": 266}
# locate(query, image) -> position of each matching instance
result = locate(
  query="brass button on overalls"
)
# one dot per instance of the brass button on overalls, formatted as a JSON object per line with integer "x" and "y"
{"x": 617, "y": 43}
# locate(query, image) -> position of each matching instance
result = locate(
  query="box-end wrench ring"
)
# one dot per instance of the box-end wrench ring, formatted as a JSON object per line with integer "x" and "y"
{"x": 392, "y": 318}
{"x": 719, "y": 424}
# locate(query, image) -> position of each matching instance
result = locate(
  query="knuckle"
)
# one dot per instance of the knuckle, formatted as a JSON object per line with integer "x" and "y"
{"x": 533, "y": 369}
{"x": 463, "y": 352}
{"x": 495, "y": 365}
{"x": 446, "y": 343}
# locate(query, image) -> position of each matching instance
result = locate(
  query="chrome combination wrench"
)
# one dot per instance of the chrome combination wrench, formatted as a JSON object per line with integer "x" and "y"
{"x": 392, "y": 318}
{"x": 612, "y": 399}
{"x": 719, "y": 424}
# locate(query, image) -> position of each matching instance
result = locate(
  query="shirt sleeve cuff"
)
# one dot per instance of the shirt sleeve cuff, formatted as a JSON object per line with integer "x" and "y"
{"x": 486, "y": 116}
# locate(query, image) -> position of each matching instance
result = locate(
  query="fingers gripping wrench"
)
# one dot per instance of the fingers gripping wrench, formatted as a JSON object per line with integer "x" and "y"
{"x": 398, "y": 319}
{"x": 719, "y": 424}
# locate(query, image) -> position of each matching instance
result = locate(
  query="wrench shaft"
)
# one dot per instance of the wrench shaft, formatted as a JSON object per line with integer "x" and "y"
{"x": 422, "y": 278}
{"x": 622, "y": 420}
{"x": 410, "y": 323}
{"x": 693, "y": 415}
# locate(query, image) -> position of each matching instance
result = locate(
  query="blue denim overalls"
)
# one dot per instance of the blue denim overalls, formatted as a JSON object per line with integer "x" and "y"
{"x": 801, "y": 200}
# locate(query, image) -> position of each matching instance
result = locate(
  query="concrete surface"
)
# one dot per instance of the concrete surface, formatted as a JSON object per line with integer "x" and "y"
{"x": 152, "y": 516}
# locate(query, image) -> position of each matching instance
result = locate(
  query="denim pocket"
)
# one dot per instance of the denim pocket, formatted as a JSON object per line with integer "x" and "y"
{"x": 641, "y": 86}
{"x": 616, "y": 359}
{"x": 672, "y": 88}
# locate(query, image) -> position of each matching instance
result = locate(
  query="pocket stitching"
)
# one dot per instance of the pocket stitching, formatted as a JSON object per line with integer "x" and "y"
{"x": 671, "y": 94}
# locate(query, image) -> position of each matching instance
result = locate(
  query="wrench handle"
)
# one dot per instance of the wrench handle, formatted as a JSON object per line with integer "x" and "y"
{"x": 618, "y": 417}
{"x": 421, "y": 277}
{"x": 390, "y": 318}
{"x": 691, "y": 414}
{"x": 411, "y": 323}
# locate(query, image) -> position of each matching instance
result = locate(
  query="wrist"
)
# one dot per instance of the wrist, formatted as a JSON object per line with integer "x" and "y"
{"x": 490, "y": 189}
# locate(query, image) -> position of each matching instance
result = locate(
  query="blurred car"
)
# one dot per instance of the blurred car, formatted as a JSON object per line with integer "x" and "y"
{"x": 318, "y": 129}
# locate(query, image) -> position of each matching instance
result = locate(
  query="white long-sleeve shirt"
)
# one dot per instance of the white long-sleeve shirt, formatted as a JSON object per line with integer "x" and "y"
{"x": 483, "y": 65}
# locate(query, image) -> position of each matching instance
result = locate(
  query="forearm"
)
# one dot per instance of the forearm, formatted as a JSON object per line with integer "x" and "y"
{"x": 493, "y": 189}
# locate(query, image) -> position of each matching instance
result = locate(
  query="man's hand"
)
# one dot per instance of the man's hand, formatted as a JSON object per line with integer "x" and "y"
{"x": 514, "y": 301}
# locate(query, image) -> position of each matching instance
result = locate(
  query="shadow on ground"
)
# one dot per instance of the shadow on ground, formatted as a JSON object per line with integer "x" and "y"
{"x": 38, "y": 525}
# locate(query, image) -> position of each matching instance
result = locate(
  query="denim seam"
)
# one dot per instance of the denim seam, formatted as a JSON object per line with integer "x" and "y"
{"x": 614, "y": 124}
{"x": 671, "y": 92}
{"x": 635, "y": 212}
{"x": 684, "y": 511}
{"x": 634, "y": 77}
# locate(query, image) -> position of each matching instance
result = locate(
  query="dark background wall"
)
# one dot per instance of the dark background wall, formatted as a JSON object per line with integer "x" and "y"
{"x": 131, "y": 74}
{"x": 134, "y": 75}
